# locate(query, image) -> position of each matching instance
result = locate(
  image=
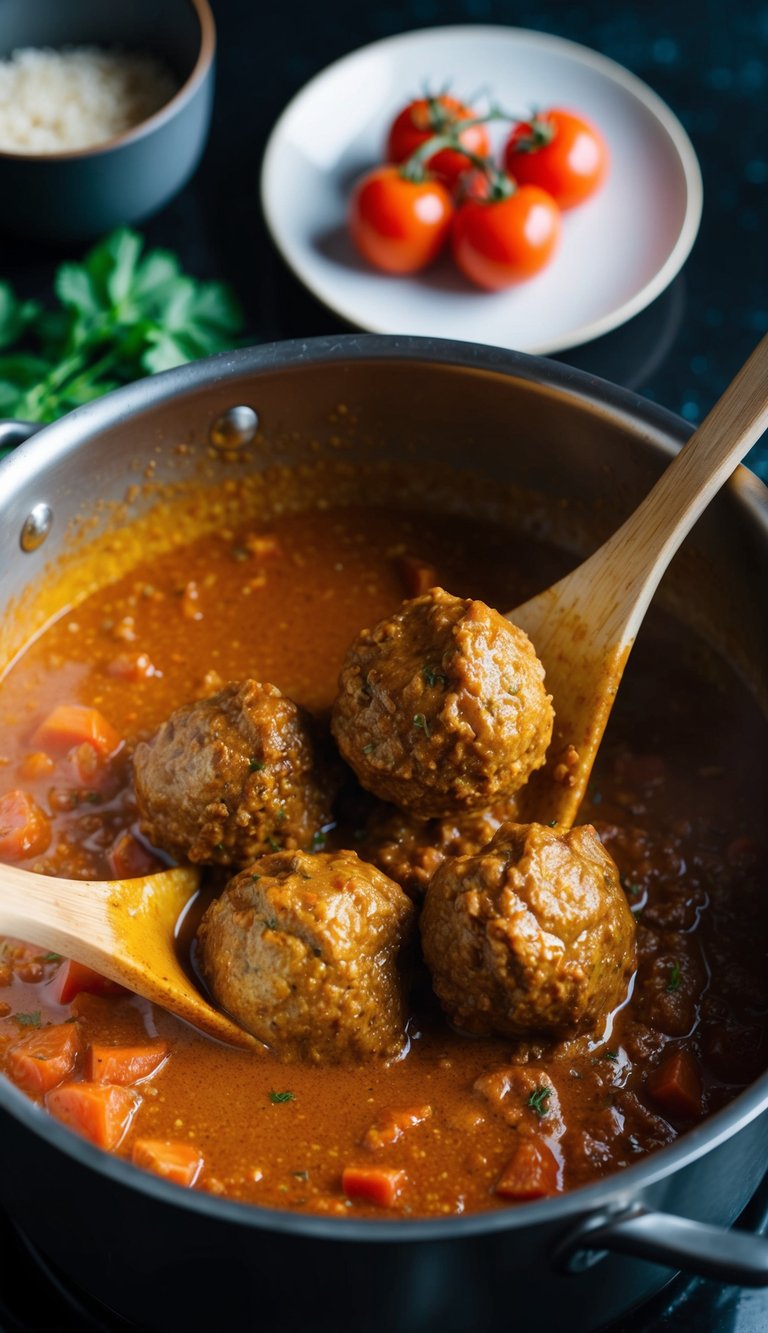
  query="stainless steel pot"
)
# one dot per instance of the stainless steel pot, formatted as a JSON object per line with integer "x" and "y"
{"x": 167, "y": 1258}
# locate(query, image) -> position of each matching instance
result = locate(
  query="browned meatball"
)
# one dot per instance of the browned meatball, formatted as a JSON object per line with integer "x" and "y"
{"x": 309, "y": 954}
{"x": 442, "y": 708}
{"x": 532, "y": 935}
{"x": 231, "y": 776}
{"x": 410, "y": 850}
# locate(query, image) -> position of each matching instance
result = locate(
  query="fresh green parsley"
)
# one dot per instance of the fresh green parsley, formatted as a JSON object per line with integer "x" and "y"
{"x": 274, "y": 844}
{"x": 255, "y": 766}
{"x": 370, "y": 746}
{"x": 51, "y": 958}
{"x": 539, "y": 1101}
{"x": 122, "y": 313}
{"x": 318, "y": 841}
{"x": 420, "y": 722}
{"x": 277, "y": 1098}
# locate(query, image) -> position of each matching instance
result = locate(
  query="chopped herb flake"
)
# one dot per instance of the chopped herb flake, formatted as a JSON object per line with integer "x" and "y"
{"x": 300, "y": 1175}
{"x": 634, "y": 889}
{"x": 611, "y": 1055}
{"x": 538, "y": 1101}
{"x": 277, "y": 1098}
{"x": 274, "y": 844}
{"x": 675, "y": 977}
{"x": 318, "y": 841}
{"x": 256, "y": 766}
{"x": 421, "y": 723}
{"x": 32, "y": 1020}
{"x": 553, "y": 823}
{"x": 51, "y": 958}
{"x": 432, "y": 676}
{"x": 370, "y": 746}
{"x": 281, "y": 814}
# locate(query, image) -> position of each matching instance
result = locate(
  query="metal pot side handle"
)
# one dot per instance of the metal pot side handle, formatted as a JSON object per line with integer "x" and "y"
{"x": 736, "y": 1257}
{"x": 15, "y": 432}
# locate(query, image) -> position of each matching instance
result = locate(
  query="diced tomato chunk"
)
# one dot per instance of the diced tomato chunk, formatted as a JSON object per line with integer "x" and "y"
{"x": 41, "y": 1060}
{"x": 24, "y": 828}
{"x": 675, "y": 1085}
{"x": 530, "y": 1173}
{"x": 416, "y": 575}
{"x": 131, "y": 667}
{"x": 130, "y": 859}
{"x": 178, "y": 1162}
{"x": 72, "y": 978}
{"x": 374, "y": 1184}
{"x": 123, "y": 1064}
{"x": 74, "y": 724}
{"x": 100, "y": 1112}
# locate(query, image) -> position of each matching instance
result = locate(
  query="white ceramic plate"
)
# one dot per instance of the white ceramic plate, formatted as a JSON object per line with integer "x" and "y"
{"x": 619, "y": 250}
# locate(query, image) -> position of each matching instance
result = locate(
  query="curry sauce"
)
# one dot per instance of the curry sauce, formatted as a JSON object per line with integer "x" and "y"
{"x": 676, "y": 797}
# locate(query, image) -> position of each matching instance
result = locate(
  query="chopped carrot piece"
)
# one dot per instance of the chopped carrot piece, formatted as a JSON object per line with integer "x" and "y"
{"x": 415, "y": 575}
{"x": 24, "y": 828}
{"x": 373, "y": 1184}
{"x": 86, "y": 764}
{"x": 391, "y": 1125}
{"x": 123, "y": 1064}
{"x": 36, "y": 764}
{"x": 72, "y": 978}
{"x": 675, "y": 1085}
{"x": 100, "y": 1112}
{"x": 74, "y": 724}
{"x": 41, "y": 1060}
{"x": 530, "y": 1173}
{"x": 179, "y": 1162}
{"x": 130, "y": 859}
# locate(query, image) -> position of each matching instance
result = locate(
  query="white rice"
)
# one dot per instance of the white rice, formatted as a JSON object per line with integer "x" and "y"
{"x": 56, "y": 101}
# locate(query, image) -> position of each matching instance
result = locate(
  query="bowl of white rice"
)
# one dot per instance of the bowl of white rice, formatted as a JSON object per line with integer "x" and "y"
{"x": 104, "y": 111}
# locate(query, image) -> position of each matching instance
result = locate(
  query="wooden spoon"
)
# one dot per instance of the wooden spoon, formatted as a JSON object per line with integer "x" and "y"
{"x": 584, "y": 626}
{"x": 123, "y": 928}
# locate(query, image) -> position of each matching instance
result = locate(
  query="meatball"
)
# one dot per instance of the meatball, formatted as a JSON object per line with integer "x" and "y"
{"x": 442, "y": 708}
{"x": 410, "y": 850}
{"x": 534, "y": 934}
{"x": 309, "y": 953}
{"x": 231, "y": 776}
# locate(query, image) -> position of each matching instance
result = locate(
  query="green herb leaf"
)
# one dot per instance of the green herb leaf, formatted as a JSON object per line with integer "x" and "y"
{"x": 675, "y": 977}
{"x": 538, "y": 1101}
{"x": 274, "y": 844}
{"x": 432, "y": 676}
{"x": 319, "y": 840}
{"x": 32, "y": 1020}
{"x": 420, "y": 722}
{"x": 278, "y": 1097}
{"x": 256, "y": 766}
{"x": 51, "y": 958}
{"x": 369, "y": 747}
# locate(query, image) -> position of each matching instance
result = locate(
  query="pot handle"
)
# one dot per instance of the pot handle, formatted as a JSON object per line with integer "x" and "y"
{"x": 16, "y": 432}
{"x": 737, "y": 1257}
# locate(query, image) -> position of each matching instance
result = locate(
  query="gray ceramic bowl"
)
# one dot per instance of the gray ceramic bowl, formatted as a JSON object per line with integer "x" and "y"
{"x": 75, "y": 196}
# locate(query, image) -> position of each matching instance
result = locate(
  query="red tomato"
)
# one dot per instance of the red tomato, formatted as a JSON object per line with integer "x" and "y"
{"x": 561, "y": 152}
{"x": 399, "y": 225}
{"x": 498, "y": 242}
{"x": 418, "y": 121}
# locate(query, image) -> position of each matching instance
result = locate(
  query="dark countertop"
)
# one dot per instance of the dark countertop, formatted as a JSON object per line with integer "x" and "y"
{"x": 708, "y": 60}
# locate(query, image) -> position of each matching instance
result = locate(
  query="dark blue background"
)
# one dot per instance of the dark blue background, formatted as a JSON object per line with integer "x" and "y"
{"x": 710, "y": 63}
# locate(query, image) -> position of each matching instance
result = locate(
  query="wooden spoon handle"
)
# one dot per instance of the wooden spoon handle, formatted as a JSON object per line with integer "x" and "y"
{"x": 643, "y": 546}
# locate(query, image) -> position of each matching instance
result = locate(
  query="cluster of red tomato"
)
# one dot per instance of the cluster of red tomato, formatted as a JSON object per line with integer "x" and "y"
{"x": 440, "y": 186}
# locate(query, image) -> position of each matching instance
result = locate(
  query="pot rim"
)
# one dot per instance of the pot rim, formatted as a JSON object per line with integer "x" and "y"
{"x": 665, "y": 432}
